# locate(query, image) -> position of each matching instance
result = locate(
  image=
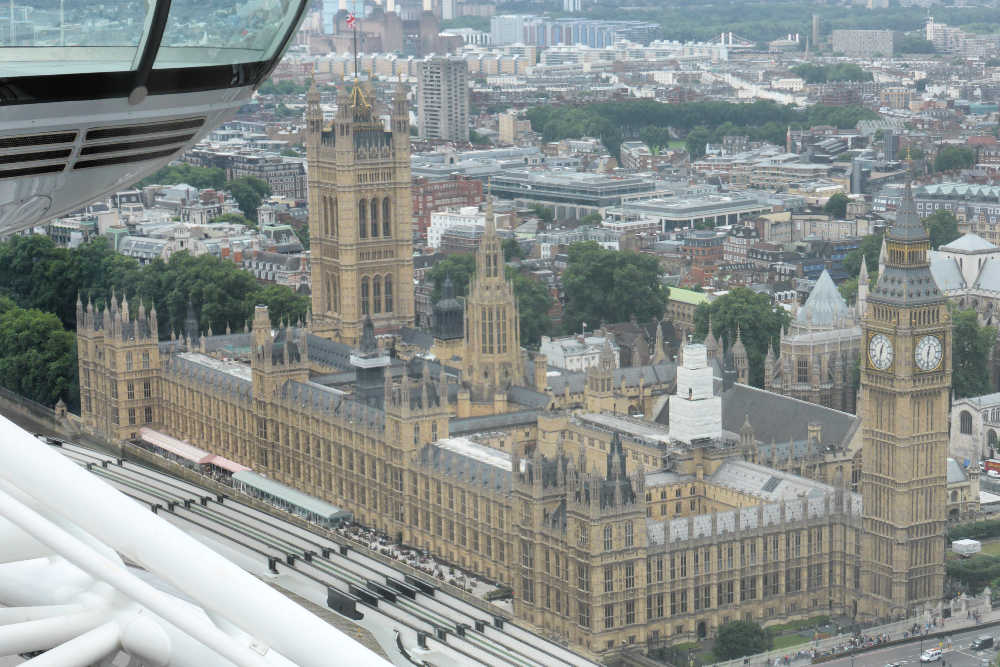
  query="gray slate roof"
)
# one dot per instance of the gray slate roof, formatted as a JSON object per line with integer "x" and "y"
{"x": 783, "y": 418}
{"x": 969, "y": 242}
{"x": 945, "y": 270}
{"x": 989, "y": 276}
{"x": 492, "y": 422}
{"x": 955, "y": 473}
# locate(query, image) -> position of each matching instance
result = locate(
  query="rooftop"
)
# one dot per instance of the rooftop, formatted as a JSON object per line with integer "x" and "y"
{"x": 473, "y": 450}
{"x": 688, "y": 296}
{"x": 633, "y": 427}
{"x": 234, "y": 368}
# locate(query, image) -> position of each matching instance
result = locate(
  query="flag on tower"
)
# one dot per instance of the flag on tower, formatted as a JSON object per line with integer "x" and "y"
{"x": 351, "y": 20}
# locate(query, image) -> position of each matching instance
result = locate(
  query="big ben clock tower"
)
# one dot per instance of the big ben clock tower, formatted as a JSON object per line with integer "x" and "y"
{"x": 904, "y": 400}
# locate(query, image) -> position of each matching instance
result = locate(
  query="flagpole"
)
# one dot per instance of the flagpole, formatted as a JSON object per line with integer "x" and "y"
{"x": 355, "y": 29}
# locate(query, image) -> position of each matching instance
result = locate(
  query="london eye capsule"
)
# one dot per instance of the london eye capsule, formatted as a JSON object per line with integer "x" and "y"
{"x": 94, "y": 96}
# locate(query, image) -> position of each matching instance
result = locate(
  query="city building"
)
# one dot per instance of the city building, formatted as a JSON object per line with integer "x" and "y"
{"x": 816, "y": 357}
{"x": 571, "y": 195}
{"x": 865, "y": 43}
{"x": 541, "y": 31}
{"x": 285, "y": 177}
{"x": 576, "y": 353}
{"x": 359, "y": 215}
{"x": 442, "y": 221}
{"x": 512, "y": 128}
{"x": 430, "y": 195}
{"x": 669, "y": 213}
{"x": 443, "y": 100}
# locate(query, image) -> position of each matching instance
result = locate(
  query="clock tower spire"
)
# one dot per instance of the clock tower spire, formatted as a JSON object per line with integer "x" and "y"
{"x": 905, "y": 387}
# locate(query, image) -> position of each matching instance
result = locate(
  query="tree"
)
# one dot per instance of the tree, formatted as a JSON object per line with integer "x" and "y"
{"x": 836, "y": 205}
{"x": 302, "y": 231}
{"x": 954, "y": 157}
{"x": 460, "y": 266}
{"x": 248, "y": 193}
{"x": 236, "y": 219}
{"x": 970, "y": 347}
{"x": 739, "y": 638}
{"x": 942, "y": 226}
{"x": 38, "y": 356}
{"x": 915, "y": 44}
{"x": 610, "y": 286}
{"x": 849, "y": 289}
{"x": 544, "y": 213}
{"x": 511, "y": 250}
{"x": 870, "y": 248}
{"x": 592, "y": 219}
{"x": 283, "y": 305}
{"x": 199, "y": 177}
{"x": 696, "y": 141}
{"x": 478, "y": 139}
{"x": 533, "y": 303}
{"x": 759, "y": 321}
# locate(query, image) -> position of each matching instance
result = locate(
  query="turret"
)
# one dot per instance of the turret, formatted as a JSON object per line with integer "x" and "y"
{"x": 314, "y": 113}
{"x": 740, "y": 360}
{"x": 863, "y": 281}
{"x": 400, "y": 117}
{"x": 770, "y": 367}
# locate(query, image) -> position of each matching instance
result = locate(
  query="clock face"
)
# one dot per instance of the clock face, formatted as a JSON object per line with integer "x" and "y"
{"x": 880, "y": 351}
{"x": 927, "y": 353}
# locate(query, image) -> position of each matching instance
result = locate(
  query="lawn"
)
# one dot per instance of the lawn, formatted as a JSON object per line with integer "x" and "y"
{"x": 787, "y": 641}
{"x": 991, "y": 548}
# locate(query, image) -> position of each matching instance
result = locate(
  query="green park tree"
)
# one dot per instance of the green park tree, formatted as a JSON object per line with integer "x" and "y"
{"x": 942, "y": 227}
{"x": 533, "y": 303}
{"x": 610, "y": 286}
{"x": 759, "y": 321}
{"x": 511, "y": 250}
{"x": 739, "y": 638}
{"x": 248, "y": 193}
{"x": 970, "y": 347}
{"x": 460, "y": 267}
{"x": 302, "y": 231}
{"x": 235, "y": 218}
{"x": 38, "y": 356}
{"x": 954, "y": 157}
{"x": 869, "y": 248}
{"x": 836, "y": 205}
{"x": 696, "y": 141}
{"x": 199, "y": 177}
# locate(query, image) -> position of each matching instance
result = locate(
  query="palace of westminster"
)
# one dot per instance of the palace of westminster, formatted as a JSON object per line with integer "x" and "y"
{"x": 646, "y": 504}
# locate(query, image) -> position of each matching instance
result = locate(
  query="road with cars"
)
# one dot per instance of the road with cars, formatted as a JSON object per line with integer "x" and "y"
{"x": 959, "y": 654}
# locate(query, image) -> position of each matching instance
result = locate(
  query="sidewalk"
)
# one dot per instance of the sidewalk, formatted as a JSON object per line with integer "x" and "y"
{"x": 842, "y": 644}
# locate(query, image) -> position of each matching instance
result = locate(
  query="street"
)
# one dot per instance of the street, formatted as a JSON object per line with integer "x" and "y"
{"x": 908, "y": 654}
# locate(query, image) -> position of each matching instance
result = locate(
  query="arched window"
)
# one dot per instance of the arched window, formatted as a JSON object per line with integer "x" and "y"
{"x": 374, "y": 207}
{"x": 991, "y": 438}
{"x": 334, "y": 221}
{"x": 954, "y": 496}
{"x": 966, "y": 422}
{"x": 326, "y": 215}
{"x": 386, "y": 219}
{"x": 364, "y": 296}
{"x": 363, "y": 219}
{"x": 388, "y": 294}
{"x": 336, "y": 296}
{"x": 377, "y": 295}
{"x": 329, "y": 293}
